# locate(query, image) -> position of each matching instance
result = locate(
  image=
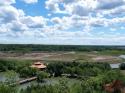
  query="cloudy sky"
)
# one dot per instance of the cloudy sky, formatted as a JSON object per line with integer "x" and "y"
{"x": 77, "y": 22}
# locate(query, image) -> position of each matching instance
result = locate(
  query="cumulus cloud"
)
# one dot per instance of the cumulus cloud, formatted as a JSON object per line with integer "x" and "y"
{"x": 9, "y": 13}
{"x": 52, "y": 5}
{"x": 80, "y": 10}
{"x": 14, "y": 20}
{"x": 34, "y": 22}
{"x": 72, "y": 6}
{"x": 7, "y": 2}
{"x": 18, "y": 26}
{"x": 86, "y": 7}
{"x": 56, "y": 20}
{"x": 82, "y": 21}
{"x": 109, "y": 4}
{"x": 116, "y": 11}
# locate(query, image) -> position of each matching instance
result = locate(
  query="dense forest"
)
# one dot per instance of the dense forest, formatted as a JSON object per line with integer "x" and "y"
{"x": 50, "y": 48}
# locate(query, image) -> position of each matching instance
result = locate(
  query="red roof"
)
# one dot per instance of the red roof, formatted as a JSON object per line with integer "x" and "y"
{"x": 38, "y": 65}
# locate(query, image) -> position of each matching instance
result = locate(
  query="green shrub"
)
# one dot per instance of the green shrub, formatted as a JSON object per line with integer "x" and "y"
{"x": 41, "y": 76}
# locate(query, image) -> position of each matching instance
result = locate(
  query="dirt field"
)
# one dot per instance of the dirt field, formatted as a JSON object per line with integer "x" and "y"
{"x": 63, "y": 56}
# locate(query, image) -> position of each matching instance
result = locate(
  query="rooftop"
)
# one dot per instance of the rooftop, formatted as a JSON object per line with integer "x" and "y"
{"x": 38, "y": 65}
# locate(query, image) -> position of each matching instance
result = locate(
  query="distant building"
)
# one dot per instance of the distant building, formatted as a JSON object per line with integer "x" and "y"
{"x": 39, "y": 65}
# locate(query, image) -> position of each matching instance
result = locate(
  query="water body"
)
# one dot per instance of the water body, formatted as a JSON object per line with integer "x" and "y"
{"x": 2, "y": 76}
{"x": 115, "y": 65}
{"x": 25, "y": 85}
{"x": 46, "y": 81}
{"x": 122, "y": 56}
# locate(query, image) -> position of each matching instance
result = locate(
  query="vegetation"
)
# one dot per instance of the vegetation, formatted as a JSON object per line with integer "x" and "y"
{"x": 79, "y": 69}
{"x": 41, "y": 76}
{"x": 90, "y": 76}
{"x": 16, "y": 65}
{"x": 29, "y": 48}
{"x": 7, "y": 89}
{"x": 89, "y": 85}
{"x": 28, "y": 72}
{"x": 122, "y": 66}
{"x": 11, "y": 77}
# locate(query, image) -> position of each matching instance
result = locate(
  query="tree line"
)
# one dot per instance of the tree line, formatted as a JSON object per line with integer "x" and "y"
{"x": 51, "y": 48}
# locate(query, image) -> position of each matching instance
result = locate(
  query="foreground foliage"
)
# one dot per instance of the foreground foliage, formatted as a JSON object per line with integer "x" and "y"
{"x": 89, "y": 85}
{"x": 92, "y": 77}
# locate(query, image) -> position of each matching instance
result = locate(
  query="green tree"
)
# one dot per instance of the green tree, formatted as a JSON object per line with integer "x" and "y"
{"x": 63, "y": 86}
{"x": 41, "y": 76}
{"x": 55, "y": 68}
{"x": 7, "y": 89}
{"x": 122, "y": 66}
{"x": 11, "y": 77}
{"x": 28, "y": 72}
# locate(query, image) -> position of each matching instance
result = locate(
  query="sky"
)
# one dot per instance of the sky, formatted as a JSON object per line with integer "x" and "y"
{"x": 65, "y": 22}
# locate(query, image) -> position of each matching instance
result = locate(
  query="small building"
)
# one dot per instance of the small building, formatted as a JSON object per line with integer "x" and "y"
{"x": 39, "y": 65}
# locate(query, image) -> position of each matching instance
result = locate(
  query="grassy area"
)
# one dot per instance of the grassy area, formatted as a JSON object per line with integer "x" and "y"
{"x": 16, "y": 60}
{"x": 111, "y": 52}
{"x": 123, "y": 72}
{"x": 110, "y": 56}
{"x": 84, "y": 57}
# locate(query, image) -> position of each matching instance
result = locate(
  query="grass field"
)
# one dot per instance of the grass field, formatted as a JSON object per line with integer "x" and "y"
{"x": 94, "y": 56}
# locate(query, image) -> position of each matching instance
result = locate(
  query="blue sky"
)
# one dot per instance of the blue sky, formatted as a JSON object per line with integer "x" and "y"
{"x": 68, "y": 22}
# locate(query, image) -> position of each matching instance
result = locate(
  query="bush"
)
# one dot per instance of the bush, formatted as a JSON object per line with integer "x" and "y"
{"x": 28, "y": 72}
{"x": 77, "y": 69}
{"x": 41, "y": 76}
{"x": 122, "y": 66}
{"x": 7, "y": 89}
{"x": 6, "y": 65}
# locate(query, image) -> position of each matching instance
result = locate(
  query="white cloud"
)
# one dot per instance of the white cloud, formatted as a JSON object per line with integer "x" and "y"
{"x": 52, "y": 5}
{"x": 86, "y": 7}
{"x": 14, "y": 20}
{"x": 109, "y": 4}
{"x": 7, "y": 2}
{"x": 116, "y": 11}
{"x": 56, "y": 20}
{"x": 72, "y": 6}
{"x": 59, "y": 37}
{"x": 30, "y": 1}
{"x": 8, "y": 14}
{"x": 34, "y": 22}
{"x": 82, "y": 18}
{"x": 18, "y": 26}
{"x": 80, "y": 10}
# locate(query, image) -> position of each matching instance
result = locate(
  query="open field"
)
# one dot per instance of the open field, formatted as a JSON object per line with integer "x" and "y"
{"x": 67, "y": 53}
{"x": 64, "y": 56}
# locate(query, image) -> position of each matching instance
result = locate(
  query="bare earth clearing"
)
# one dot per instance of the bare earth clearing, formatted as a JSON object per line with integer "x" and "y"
{"x": 63, "y": 56}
